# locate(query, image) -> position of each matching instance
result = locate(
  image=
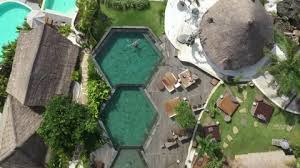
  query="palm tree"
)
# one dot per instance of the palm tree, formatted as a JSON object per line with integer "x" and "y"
{"x": 286, "y": 72}
{"x": 207, "y": 146}
{"x": 91, "y": 20}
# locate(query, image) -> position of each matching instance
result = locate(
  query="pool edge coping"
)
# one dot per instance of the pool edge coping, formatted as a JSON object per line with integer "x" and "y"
{"x": 21, "y": 3}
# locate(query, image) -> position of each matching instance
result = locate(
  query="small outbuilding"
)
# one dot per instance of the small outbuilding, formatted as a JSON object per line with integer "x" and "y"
{"x": 228, "y": 104}
{"x": 213, "y": 131}
{"x": 262, "y": 111}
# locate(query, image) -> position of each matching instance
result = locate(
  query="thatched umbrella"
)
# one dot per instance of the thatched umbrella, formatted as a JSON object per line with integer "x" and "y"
{"x": 234, "y": 33}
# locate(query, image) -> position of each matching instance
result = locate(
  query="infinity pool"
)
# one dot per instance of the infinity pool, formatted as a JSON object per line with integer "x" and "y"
{"x": 12, "y": 15}
{"x": 62, "y": 6}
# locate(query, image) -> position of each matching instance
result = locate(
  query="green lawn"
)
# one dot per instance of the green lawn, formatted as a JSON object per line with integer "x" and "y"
{"x": 152, "y": 17}
{"x": 250, "y": 138}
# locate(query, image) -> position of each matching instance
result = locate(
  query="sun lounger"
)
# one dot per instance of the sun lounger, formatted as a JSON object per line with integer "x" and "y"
{"x": 171, "y": 144}
{"x": 169, "y": 80}
{"x": 184, "y": 139}
{"x": 186, "y": 78}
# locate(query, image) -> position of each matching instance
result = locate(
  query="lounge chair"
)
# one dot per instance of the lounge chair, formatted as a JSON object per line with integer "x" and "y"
{"x": 185, "y": 138}
{"x": 169, "y": 80}
{"x": 186, "y": 78}
{"x": 170, "y": 145}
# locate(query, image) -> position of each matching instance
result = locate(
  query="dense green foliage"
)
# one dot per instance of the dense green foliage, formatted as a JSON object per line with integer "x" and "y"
{"x": 76, "y": 75}
{"x": 185, "y": 117}
{"x": 263, "y": 2}
{"x": 65, "y": 30}
{"x": 296, "y": 150}
{"x": 207, "y": 146}
{"x": 127, "y": 4}
{"x": 286, "y": 72}
{"x": 215, "y": 164}
{"x": 25, "y": 27}
{"x": 91, "y": 22}
{"x": 67, "y": 124}
{"x": 98, "y": 90}
{"x": 58, "y": 160}
{"x": 8, "y": 52}
{"x": 151, "y": 17}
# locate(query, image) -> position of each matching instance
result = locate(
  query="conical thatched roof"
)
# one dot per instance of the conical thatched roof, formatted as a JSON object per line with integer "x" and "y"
{"x": 42, "y": 67}
{"x": 234, "y": 33}
{"x": 19, "y": 145}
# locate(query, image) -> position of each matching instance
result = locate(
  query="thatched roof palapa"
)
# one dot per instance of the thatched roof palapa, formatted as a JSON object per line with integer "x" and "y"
{"x": 42, "y": 67}
{"x": 234, "y": 33}
{"x": 20, "y": 147}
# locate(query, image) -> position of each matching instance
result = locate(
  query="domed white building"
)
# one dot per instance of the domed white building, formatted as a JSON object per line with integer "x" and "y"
{"x": 231, "y": 36}
{"x": 233, "y": 33}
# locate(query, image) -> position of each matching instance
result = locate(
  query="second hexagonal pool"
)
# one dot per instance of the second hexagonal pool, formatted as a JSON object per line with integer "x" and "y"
{"x": 129, "y": 116}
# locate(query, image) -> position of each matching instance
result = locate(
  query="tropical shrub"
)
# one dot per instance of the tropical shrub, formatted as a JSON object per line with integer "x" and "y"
{"x": 263, "y": 2}
{"x": 185, "y": 117}
{"x": 7, "y": 55}
{"x": 215, "y": 164}
{"x": 8, "y": 52}
{"x": 67, "y": 124}
{"x": 207, "y": 146}
{"x": 286, "y": 72}
{"x": 58, "y": 160}
{"x": 76, "y": 75}
{"x": 3, "y": 94}
{"x": 92, "y": 22}
{"x": 98, "y": 90}
{"x": 128, "y": 4}
{"x": 296, "y": 151}
{"x": 25, "y": 27}
{"x": 65, "y": 30}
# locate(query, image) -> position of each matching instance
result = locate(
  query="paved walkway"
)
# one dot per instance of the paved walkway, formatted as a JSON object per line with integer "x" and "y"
{"x": 84, "y": 80}
{"x": 155, "y": 156}
{"x": 274, "y": 159}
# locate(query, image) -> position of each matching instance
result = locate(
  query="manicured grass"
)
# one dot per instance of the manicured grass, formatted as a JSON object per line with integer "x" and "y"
{"x": 250, "y": 138}
{"x": 152, "y": 17}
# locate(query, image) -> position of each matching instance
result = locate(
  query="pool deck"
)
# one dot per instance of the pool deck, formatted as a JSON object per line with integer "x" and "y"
{"x": 156, "y": 157}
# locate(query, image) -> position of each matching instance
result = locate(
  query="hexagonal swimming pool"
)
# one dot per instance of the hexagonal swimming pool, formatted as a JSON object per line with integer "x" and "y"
{"x": 127, "y": 57}
{"x": 129, "y": 116}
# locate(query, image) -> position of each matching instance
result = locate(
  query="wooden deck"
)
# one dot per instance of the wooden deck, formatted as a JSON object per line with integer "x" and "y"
{"x": 155, "y": 156}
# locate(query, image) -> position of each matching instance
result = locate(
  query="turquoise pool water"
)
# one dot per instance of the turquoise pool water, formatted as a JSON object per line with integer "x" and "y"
{"x": 12, "y": 15}
{"x": 62, "y": 6}
{"x": 129, "y": 158}
{"x": 124, "y": 63}
{"x": 129, "y": 116}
